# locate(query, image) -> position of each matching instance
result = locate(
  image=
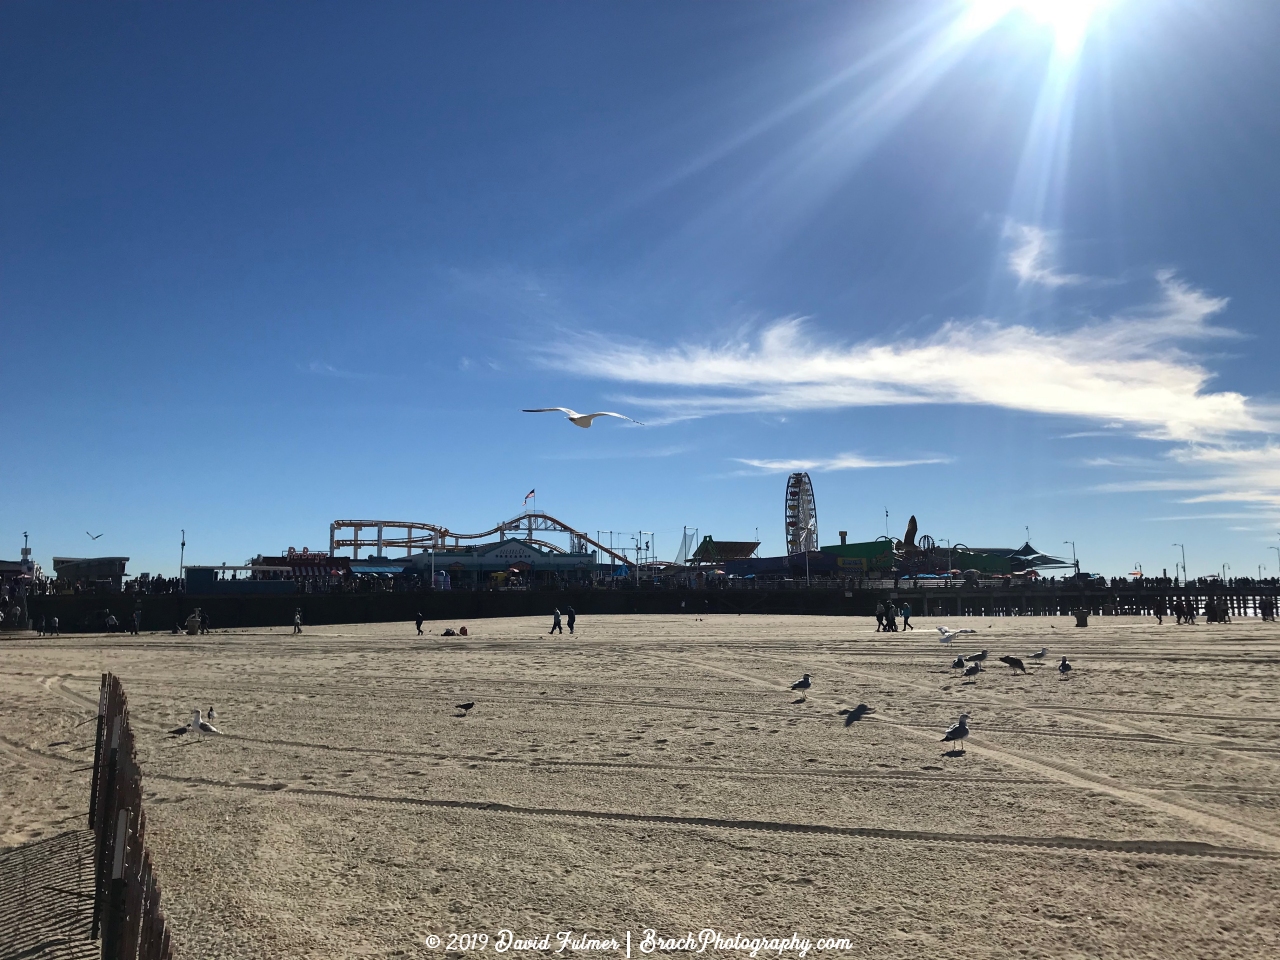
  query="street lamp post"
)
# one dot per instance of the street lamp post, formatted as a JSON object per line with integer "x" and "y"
{"x": 1277, "y": 550}
{"x": 1074, "y": 562}
{"x": 1225, "y": 568}
{"x": 1183, "y": 547}
{"x": 182, "y": 554}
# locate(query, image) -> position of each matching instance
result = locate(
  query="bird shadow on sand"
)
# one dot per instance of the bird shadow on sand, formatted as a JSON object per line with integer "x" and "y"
{"x": 800, "y": 700}
{"x": 953, "y": 753}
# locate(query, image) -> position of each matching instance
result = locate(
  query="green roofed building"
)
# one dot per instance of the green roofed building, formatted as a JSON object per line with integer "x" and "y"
{"x": 855, "y": 558}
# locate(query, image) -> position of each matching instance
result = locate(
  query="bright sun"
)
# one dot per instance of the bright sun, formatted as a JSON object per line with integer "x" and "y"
{"x": 1069, "y": 19}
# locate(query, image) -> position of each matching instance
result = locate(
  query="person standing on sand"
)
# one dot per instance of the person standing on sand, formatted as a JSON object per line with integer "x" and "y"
{"x": 55, "y": 627}
{"x": 879, "y": 617}
{"x": 890, "y": 617}
{"x": 418, "y": 623}
{"x": 555, "y": 623}
{"x": 297, "y": 620}
{"x": 906, "y": 617}
{"x": 40, "y": 628}
{"x": 570, "y": 618}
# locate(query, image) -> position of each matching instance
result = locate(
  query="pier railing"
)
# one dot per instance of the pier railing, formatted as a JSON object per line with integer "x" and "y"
{"x": 126, "y": 906}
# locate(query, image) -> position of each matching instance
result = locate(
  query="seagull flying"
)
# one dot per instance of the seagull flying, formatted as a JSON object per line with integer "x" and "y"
{"x": 1064, "y": 668}
{"x": 1041, "y": 654}
{"x": 957, "y": 731}
{"x": 857, "y": 713}
{"x": 582, "y": 420}
{"x": 1015, "y": 663}
{"x": 949, "y": 635}
{"x": 91, "y": 536}
{"x": 803, "y": 686}
{"x": 977, "y": 657}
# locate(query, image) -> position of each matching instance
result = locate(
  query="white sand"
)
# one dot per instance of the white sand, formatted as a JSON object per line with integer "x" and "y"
{"x": 316, "y": 828}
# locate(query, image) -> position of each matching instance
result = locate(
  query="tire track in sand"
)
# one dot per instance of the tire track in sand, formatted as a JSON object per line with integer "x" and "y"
{"x": 1054, "y": 769}
{"x": 1186, "y": 848}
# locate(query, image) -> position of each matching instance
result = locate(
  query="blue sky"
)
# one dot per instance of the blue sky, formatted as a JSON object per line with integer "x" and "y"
{"x": 264, "y": 266}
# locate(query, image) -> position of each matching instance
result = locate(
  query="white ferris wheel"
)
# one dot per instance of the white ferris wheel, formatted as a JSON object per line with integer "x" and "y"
{"x": 802, "y": 515}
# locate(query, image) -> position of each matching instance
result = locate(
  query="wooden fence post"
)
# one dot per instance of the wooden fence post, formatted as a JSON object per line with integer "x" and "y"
{"x": 97, "y": 751}
{"x": 108, "y": 795}
{"x": 113, "y": 928}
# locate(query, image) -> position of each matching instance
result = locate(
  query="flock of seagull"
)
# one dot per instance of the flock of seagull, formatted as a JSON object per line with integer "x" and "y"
{"x": 958, "y": 732}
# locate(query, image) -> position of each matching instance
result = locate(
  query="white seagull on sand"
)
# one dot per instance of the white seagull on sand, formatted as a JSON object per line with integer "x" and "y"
{"x": 1041, "y": 654}
{"x": 196, "y": 725}
{"x": 582, "y": 420}
{"x": 203, "y": 726}
{"x": 957, "y": 731}
{"x": 949, "y": 635}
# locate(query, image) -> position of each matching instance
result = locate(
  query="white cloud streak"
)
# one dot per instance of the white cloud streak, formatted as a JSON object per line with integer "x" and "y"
{"x": 843, "y": 461}
{"x": 1126, "y": 369}
{"x": 1029, "y": 259}
{"x": 1130, "y": 373}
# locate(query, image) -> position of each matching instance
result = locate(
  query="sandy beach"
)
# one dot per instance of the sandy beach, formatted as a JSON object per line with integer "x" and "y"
{"x": 656, "y": 773}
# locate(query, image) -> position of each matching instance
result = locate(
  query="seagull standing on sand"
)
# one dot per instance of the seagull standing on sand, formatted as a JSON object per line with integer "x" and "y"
{"x": 803, "y": 686}
{"x": 1064, "y": 668}
{"x": 977, "y": 657}
{"x": 1041, "y": 654}
{"x": 949, "y": 635}
{"x": 973, "y": 670}
{"x": 465, "y": 707}
{"x": 204, "y": 726}
{"x": 957, "y": 663}
{"x": 958, "y": 731}
{"x": 582, "y": 420}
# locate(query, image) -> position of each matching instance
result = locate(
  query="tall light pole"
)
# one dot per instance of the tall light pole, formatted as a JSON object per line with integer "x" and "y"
{"x": 1261, "y": 567}
{"x": 1225, "y": 568}
{"x": 1183, "y": 547}
{"x": 1277, "y": 550}
{"x": 1074, "y": 562}
{"x": 182, "y": 554}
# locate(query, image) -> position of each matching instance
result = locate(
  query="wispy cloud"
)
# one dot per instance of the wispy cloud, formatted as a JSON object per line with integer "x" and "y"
{"x": 1030, "y": 259}
{"x": 671, "y": 451}
{"x": 321, "y": 369}
{"x": 1131, "y": 373}
{"x": 843, "y": 461}
{"x": 1126, "y": 369}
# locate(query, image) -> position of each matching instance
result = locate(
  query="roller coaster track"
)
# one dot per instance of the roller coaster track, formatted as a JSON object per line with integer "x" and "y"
{"x": 431, "y": 535}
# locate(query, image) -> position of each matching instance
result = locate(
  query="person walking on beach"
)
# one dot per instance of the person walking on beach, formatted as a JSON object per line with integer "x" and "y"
{"x": 906, "y": 617}
{"x": 555, "y": 623}
{"x": 418, "y": 623}
{"x": 879, "y": 617}
{"x": 890, "y": 617}
{"x": 40, "y": 628}
{"x": 570, "y": 617}
{"x": 55, "y": 627}
{"x": 297, "y": 620}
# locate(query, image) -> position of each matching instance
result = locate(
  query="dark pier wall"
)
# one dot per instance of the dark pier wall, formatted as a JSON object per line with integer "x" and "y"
{"x": 162, "y": 612}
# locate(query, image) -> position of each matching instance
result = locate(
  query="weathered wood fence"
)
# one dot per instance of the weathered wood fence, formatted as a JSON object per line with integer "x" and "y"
{"x": 126, "y": 906}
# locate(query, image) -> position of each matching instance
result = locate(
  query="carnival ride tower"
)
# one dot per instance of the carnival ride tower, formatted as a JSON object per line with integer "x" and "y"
{"x": 801, "y": 516}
